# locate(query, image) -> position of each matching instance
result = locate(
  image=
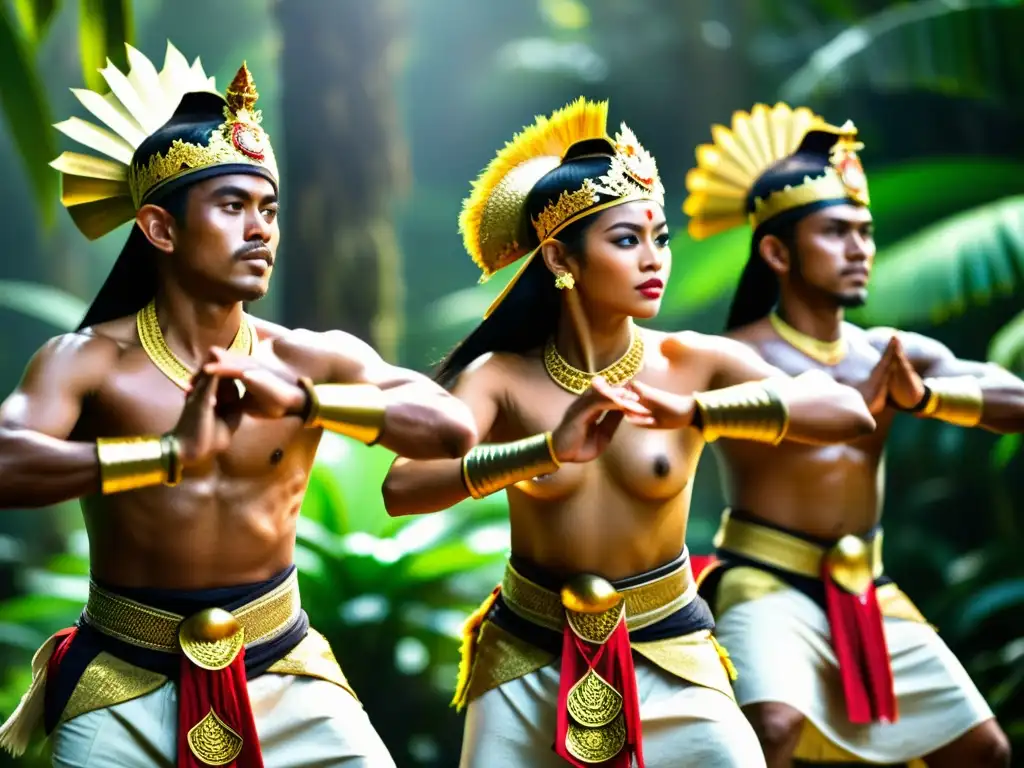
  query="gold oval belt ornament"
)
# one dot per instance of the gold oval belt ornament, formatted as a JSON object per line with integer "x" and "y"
{"x": 850, "y": 564}
{"x": 211, "y": 638}
{"x": 213, "y": 741}
{"x": 596, "y": 745}
{"x": 593, "y": 702}
{"x": 593, "y": 608}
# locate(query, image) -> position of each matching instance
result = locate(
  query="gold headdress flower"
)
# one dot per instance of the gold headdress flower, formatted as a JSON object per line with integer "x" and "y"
{"x": 493, "y": 222}
{"x": 101, "y": 193}
{"x": 728, "y": 169}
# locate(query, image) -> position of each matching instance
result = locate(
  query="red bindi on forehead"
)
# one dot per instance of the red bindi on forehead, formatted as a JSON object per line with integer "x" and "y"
{"x": 650, "y": 215}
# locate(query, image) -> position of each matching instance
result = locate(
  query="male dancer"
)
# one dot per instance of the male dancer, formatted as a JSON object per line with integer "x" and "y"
{"x": 188, "y": 429}
{"x": 834, "y": 662}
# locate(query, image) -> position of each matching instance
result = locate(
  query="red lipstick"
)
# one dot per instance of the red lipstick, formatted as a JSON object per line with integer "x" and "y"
{"x": 652, "y": 288}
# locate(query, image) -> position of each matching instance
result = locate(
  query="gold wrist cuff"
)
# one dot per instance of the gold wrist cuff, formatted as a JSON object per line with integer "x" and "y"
{"x": 489, "y": 468}
{"x": 955, "y": 399}
{"x": 754, "y": 410}
{"x": 127, "y": 463}
{"x": 353, "y": 410}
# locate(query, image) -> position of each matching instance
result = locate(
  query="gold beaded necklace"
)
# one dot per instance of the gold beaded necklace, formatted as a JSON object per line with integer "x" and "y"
{"x": 825, "y": 352}
{"x": 170, "y": 365}
{"x": 574, "y": 380}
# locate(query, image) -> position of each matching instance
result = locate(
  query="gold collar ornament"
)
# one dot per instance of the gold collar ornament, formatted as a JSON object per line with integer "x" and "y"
{"x": 825, "y": 352}
{"x": 728, "y": 169}
{"x": 495, "y": 228}
{"x": 170, "y": 365}
{"x": 572, "y": 379}
{"x": 102, "y": 193}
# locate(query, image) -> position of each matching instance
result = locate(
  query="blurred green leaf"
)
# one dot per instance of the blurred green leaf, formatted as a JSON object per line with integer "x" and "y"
{"x": 992, "y": 599}
{"x": 1007, "y": 446}
{"x": 965, "y": 260}
{"x": 1007, "y": 345}
{"x": 40, "y": 609}
{"x": 28, "y": 114}
{"x": 104, "y": 26}
{"x": 34, "y": 17}
{"x": 966, "y": 48}
{"x": 50, "y": 305}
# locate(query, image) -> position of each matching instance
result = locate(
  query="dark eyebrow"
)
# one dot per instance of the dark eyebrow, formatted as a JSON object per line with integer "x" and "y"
{"x": 634, "y": 227}
{"x": 231, "y": 191}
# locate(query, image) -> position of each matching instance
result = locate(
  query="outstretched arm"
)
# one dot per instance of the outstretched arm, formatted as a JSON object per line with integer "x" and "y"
{"x": 962, "y": 392}
{"x": 38, "y": 464}
{"x": 820, "y": 410}
{"x": 357, "y": 393}
{"x": 748, "y": 399}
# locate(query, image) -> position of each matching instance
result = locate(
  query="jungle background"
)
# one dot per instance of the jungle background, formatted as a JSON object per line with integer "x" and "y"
{"x": 382, "y": 112}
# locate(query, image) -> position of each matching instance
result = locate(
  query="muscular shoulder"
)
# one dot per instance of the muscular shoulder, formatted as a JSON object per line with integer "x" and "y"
{"x": 493, "y": 371}
{"x": 80, "y": 360}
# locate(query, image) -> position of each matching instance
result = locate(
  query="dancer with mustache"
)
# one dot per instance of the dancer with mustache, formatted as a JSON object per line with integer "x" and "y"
{"x": 836, "y": 665}
{"x": 188, "y": 429}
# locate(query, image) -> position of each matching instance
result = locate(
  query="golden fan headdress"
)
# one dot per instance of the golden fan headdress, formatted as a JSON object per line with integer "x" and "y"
{"x": 728, "y": 169}
{"x": 493, "y": 222}
{"x": 101, "y": 193}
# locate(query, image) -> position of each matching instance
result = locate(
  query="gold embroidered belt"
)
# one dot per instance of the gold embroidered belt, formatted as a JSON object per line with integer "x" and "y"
{"x": 259, "y": 621}
{"x": 645, "y": 604}
{"x": 854, "y": 561}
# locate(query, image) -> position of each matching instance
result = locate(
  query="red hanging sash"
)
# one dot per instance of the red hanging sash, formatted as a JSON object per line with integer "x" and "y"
{"x": 598, "y": 707}
{"x": 858, "y": 633}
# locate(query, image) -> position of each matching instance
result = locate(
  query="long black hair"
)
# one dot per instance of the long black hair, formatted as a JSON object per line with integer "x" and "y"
{"x": 529, "y": 314}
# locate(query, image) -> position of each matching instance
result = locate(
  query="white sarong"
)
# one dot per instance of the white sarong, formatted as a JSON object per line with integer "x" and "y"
{"x": 302, "y": 722}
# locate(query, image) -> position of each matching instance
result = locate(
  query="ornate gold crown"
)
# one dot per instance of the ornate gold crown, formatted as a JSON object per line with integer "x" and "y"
{"x": 100, "y": 193}
{"x": 728, "y": 168}
{"x": 493, "y": 217}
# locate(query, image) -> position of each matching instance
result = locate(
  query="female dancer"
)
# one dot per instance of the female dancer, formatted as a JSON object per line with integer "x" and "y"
{"x": 598, "y": 507}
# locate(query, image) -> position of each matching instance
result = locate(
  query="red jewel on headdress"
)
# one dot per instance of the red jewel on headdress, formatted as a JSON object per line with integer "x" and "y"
{"x": 247, "y": 140}
{"x": 851, "y": 172}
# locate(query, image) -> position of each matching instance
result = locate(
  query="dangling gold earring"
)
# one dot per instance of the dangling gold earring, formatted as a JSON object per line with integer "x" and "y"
{"x": 565, "y": 281}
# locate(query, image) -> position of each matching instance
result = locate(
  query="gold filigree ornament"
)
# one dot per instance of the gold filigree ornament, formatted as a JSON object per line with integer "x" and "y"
{"x": 592, "y": 701}
{"x": 596, "y": 745}
{"x": 155, "y": 345}
{"x": 495, "y": 228}
{"x": 102, "y": 193}
{"x": 213, "y": 741}
{"x": 728, "y": 168}
{"x": 572, "y": 379}
{"x": 211, "y": 639}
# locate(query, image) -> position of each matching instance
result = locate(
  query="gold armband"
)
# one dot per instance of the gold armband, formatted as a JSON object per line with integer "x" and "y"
{"x": 955, "y": 399}
{"x": 489, "y": 468}
{"x": 753, "y": 410}
{"x": 127, "y": 463}
{"x": 353, "y": 410}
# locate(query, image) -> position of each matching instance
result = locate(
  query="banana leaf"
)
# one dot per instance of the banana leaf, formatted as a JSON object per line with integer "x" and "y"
{"x": 104, "y": 26}
{"x": 34, "y": 17}
{"x": 28, "y": 114}
{"x": 1007, "y": 346}
{"x": 965, "y": 49}
{"x": 42, "y": 302}
{"x": 968, "y": 259}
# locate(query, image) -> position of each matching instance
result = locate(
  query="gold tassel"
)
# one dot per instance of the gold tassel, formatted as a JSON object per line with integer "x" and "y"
{"x": 16, "y": 733}
{"x": 723, "y": 654}
{"x": 467, "y": 650}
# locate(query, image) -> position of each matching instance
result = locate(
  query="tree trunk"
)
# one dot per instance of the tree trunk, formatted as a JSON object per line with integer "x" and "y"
{"x": 343, "y": 164}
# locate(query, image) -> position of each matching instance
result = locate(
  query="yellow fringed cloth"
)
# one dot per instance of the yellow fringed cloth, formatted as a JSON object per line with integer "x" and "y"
{"x": 124, "y": 647}
{"x": 518, "y": 629}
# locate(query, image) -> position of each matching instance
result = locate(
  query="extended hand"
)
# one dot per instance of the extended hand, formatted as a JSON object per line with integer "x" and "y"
{"x": 875, "y": 389}
{"x": 668, "y": 410}
{"x": 906, "y": 389}
{"x": 270, "y": 393}
{"x": 590, "y": 422}
{"x": 211, "y": 415}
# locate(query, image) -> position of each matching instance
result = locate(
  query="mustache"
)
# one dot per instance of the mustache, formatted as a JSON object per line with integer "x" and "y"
{"x": 256, "y": 247}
